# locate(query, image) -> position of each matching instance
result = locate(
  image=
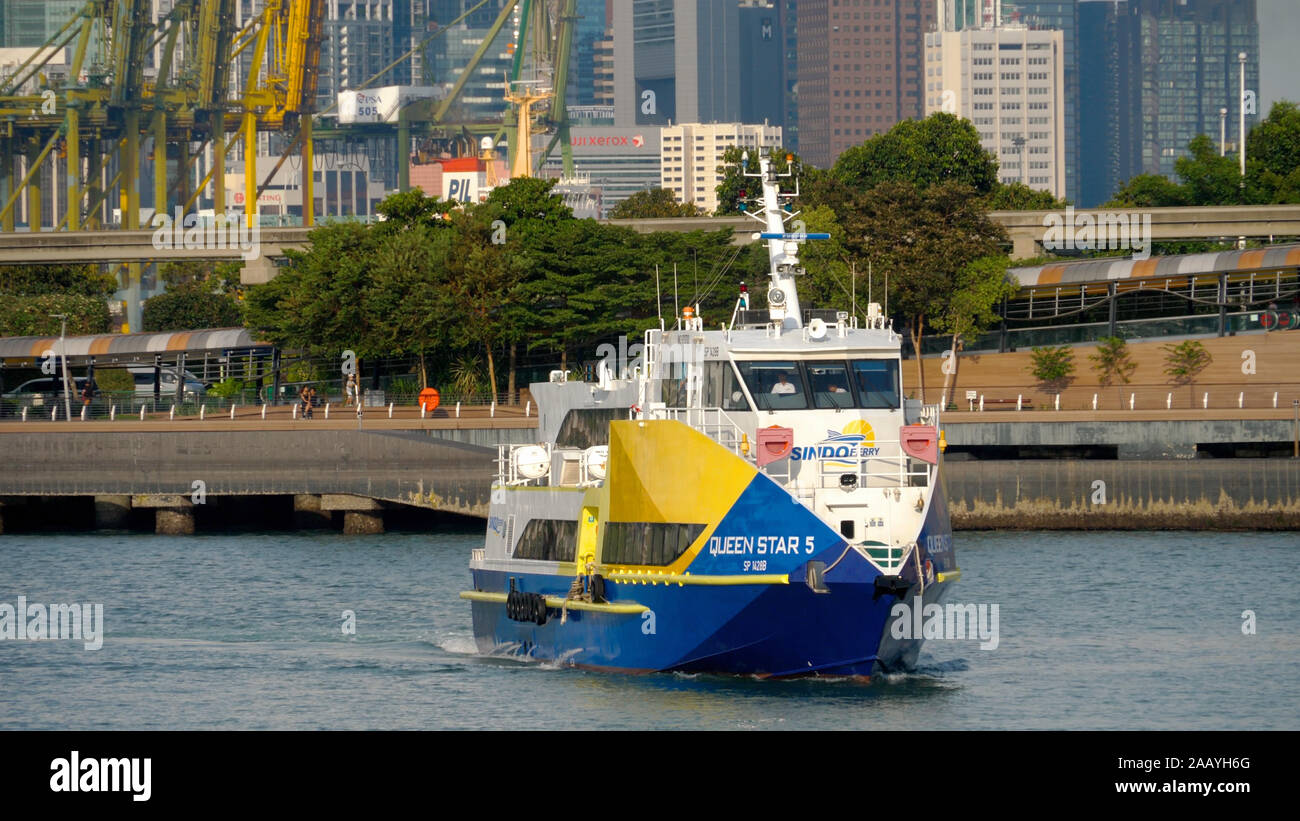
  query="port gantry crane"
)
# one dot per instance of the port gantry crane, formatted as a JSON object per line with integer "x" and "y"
{"x": 106, "y": 105}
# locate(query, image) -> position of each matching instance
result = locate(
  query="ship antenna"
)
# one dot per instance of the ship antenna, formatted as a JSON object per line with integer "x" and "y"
{"x": 677, "y": 312}
{"x": 659, "y": 299}
{"x": 782, "y": 247}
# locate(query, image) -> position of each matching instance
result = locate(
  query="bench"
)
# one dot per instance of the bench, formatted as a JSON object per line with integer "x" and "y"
{"x": 1003, "y": 404}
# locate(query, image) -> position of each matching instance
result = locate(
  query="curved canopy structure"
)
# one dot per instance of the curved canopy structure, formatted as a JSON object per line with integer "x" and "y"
{"x": 106, "y": 349}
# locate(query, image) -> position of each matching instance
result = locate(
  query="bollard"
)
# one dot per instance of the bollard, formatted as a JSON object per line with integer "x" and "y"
{"x": 981, "y": 403}
{"x": 142, "y": 413}
{"x": 327, "y": 410}
{"x": 421, "y": 410}
{"x": 112, "y": 412}
{"x": 1132, "y": 400}
{"x": 171, "y": 414}
{"x": 1241, "y": 400}
{"x": 202, "y": 412}
{"x": 457, "y": 410}
{"x": 528, "y": 409}
{"x": 493, "y": 412}
{"x": 25, "y": 409}
{"x": 1094, "y": 401}
{"x": 1274, "y": 399}
{"x": 1169, "y": 401}
{"x": 943, "y": 401}
{"x": 84, "y": 408}
{"x": 1205, "y": 400}
{"x": 1019, "y": 401}
{"x": 54, "y": 414}
{"x": 295, "y": 410}
{"x": 232, "y": 410}
{"x": 264, "y": 411}
{"x": 1058, "y": 401}
{"x": 390, "y": 410}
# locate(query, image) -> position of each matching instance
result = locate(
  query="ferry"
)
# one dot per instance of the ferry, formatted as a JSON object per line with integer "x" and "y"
{"x": 756, "y": 499}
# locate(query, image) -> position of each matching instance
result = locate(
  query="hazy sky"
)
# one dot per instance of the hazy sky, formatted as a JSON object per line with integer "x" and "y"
{"x": 1279, "y": 59}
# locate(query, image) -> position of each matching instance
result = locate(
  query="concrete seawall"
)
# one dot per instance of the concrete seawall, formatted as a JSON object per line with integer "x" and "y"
{"x": 1210, "y": 494}
{"x": 407, "y": 467}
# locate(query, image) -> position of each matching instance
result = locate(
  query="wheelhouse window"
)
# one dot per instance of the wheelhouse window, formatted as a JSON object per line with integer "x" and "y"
{"x": 876, "y": 381}
{"x": 830, "y": 384}
{"x": 722, "y": 388}
{"x": 775, "y": 385}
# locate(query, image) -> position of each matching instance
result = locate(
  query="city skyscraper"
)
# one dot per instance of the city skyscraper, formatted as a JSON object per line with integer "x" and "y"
{"x": 1009, "y": 82}
{"x": 1156, "y": 73}
{"x": 446, "y": 56}
{"x": 676, "y": 60}
{"x": 1062, "y": 16}
{"x": 861, "y": 70}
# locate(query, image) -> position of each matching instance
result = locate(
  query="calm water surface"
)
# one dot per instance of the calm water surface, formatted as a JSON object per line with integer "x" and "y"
{"x": 1097, "y": 630}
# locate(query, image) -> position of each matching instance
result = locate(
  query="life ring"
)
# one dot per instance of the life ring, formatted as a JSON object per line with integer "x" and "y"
{"x": 429, "y": 399}
{"x": 1268, "y": 320}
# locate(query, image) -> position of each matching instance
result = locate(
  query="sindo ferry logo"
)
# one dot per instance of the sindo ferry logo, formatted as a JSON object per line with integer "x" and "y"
{"x": 856, "y": 441}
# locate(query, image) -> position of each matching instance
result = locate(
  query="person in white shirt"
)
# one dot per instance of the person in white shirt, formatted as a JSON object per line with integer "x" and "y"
{"x": 783, "y": 386}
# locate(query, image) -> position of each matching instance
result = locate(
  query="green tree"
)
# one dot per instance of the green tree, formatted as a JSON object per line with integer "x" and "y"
{"x": 30, "y": 293}
{"x": 655, "y": 203}
{"x": 1208, "y": 178}
{"x": 1053, "y": 367}
{"x": 188, "y": 307}
{"x": 36, "y": 280}
{"x": 978, "y": 289}
{"x": 922, "y": 240}
{"x": 1184, "y": 362}
{"x": 941, "y": 148}
{"x": 1149, "y": 191}
{"x": 1017, "y": 196}
{"x": 1273, "y": 155}
{"x": 1112, "y": 362}
{"x": 32, "y": 315}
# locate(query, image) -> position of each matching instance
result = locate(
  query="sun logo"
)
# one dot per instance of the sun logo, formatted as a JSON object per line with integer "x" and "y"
{"x": 862, "y": 428}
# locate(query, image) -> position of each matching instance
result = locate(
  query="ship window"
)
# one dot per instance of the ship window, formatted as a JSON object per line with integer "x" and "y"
{"x": 722, "y": 388}
{"x": 674, "y": 385}
{"x": 647, "y": 543}
{"x": 876, "y": 381}
{"x": 551, "y": 540}
{"x": 830, "y": 384}
{"x": 775, "y": 385}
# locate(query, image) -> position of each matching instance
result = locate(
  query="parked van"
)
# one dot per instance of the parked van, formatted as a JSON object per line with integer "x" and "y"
{"x": 36, "y": 392}
{"x": 143, "y": 376}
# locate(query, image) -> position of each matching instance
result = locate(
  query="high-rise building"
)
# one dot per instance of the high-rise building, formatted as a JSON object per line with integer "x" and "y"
{"x": 789, "y": 12}
{"x": 1062, "y": 16}
{"x": 676, "y": 60}
{"x": 585, "y": 59}
{"x": 1009, "y": 82}
{"x": 762, "y": 63}
{"x": 861, "y": 70}
{"x": 618, "y": 161}
{"x": 32, "y": 22}
{"x": 1157, "y": 73}
{"x": 691, "y": 157}
{"x": 446, "y": 56}
{"x": 362, "y": 37}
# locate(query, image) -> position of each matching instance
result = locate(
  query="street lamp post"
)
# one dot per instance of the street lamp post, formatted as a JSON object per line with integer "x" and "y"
{"x": 1223, "y": 132}
{"x": 63, "y": 357}
{"x": 1241, "y": 115}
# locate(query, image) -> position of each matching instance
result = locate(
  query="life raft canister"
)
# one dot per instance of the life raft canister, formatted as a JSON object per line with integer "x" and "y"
{"x": 429, "y": 399}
